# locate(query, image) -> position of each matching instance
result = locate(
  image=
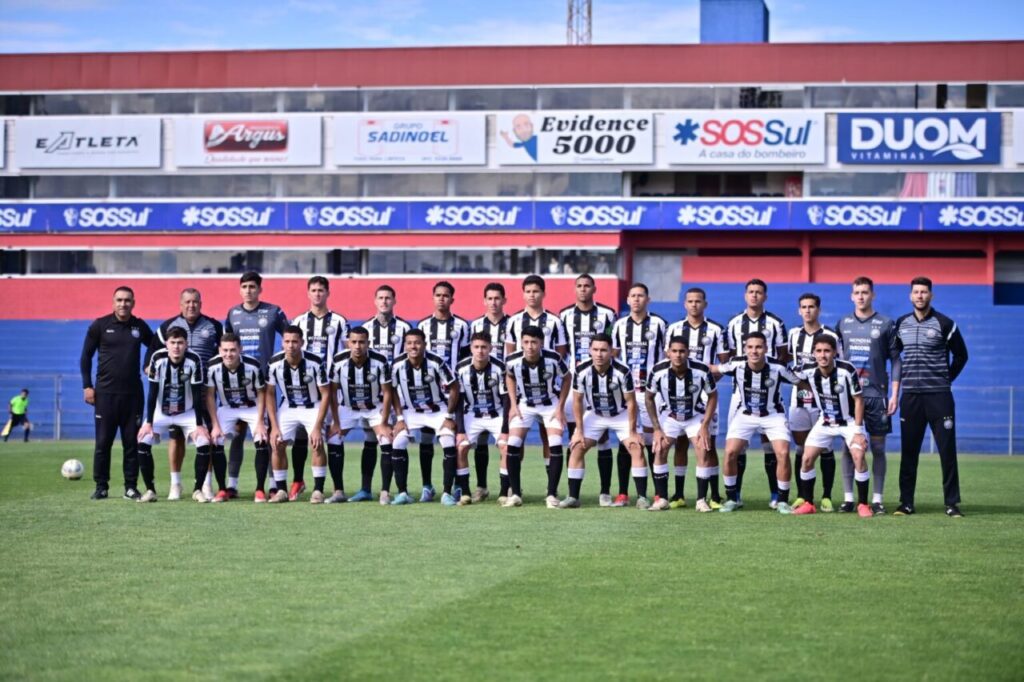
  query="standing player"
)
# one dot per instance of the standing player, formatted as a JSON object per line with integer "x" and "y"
{"x": 323, "y": 335}
{"x": 203, "y": 333}
{"x": 494, "y": 323}
{"x": 868, "y": 343}
{"x": 360, "y": 397}
{"x": 485, "y": 406}
{"x": 422, "y": 384}
{"x": 927, "y": 339}
{"x": 256, "y": 323}
{"x": 302, "y": 379}
{"x": 756, "y": 319}
{"x": 534, "y": 375}
{"x": 447, "y": 336}
{"x": 175, "y": 400}
{"x": 682, "y": 400}
{"x": 802, "y": 411}
{"x": 387, "y": 332}
{"x": 18, "y": 410}
{"x": 758, "y": 379}
{"x": 582, "y": 321}
{"x": 707, "y": 344}
{"x": 236, "y": 396}
{"x": 840, "y": 413}
{"x": 639, "y": 339}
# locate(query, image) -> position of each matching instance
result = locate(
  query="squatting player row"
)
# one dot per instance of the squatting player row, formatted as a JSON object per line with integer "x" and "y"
{"x": 581, "y": 374}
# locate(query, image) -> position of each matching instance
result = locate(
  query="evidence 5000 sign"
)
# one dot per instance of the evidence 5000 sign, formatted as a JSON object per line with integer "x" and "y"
{"x": 575, "y": 137}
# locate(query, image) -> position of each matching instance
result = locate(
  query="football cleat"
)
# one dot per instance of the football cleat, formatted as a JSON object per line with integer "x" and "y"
{"x": 317, "y": 497}
{"x": 903, "y": 510}
{"x": 551, "y": 502}
{"x": 677, "y": 502}
{"x": 428, "y": 494}
{"x": 660, "y": 504}
{"x": 783, "y": 507}
{"x": 798, "y": 501}
{"x": 233, "y": 493}
{"x": 298, "y": 487}
{"x": 512, "y": 501}
{"x": 199, "y": 497}
{"x": 774, "y": 502}
{"x": 465, "y": 501}
{"x": 730, "y": 506}
{"x": 703, "y": 506}
{"x": 643, "y": 504}
{"x": 207, "y": 490}
{"x": 621, "y": 500}
{"x": 99, "y": 494}
{"x": 132, "y": 494}
{"x": 604, "y": 500}
{"x": 279, "y": 497}
{"x": 569, "y": 503}
{"x": 448, "y": 500}
{"x": 360, "y": 496}
{"x": 149, "y": 496}
{"x": 385, "y": 497}
{"x": 501, "y": 500}
{"x": 847, "y": 508}
{"x": 260, "y": 497}
{"x": 878, "y": 509}
{"x": 338, "y": 496}
{"x": 826, "y": 505}
{"x": 864, "y": 511}
{"x": 954, "y": 512}
{"x": 175, "y": 492}
{"x": 221, "y": 496}
{"x": 480, "y": 494}
{"x": 717, "y": 504}
{"x": 401, "y": 499}
{"x": 805, "y": 508}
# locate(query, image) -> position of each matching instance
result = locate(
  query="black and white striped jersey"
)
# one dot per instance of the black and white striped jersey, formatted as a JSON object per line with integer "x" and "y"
{"x": 681, "y": 396}
{"x": 174, "y": 382}
{"x": 833, "y": 394}
{"x": 360, "y": 387}
{"x": 801, "y": 354}
{"x": 705, "y": 341}
{"x": 423, "y": 388}
{"x": 604, "y": 394}
{"x": 446, "y": 339}
{"x": 759, "y": 390}
{"x": 236, "y": 387}
{"x": 482, "y": 389}
{"x": 323, "y": 336}
{"x": 580, "y": 325}
{"x": 498, "y": 331}
{"x": 537, "y": 384}
{"x": 387, "y": 338}
{"x": 549, "y": 323}
{"x": 772, "y": 326}
{"x": 298, "y": 386}
{"x": 640, "y": 345}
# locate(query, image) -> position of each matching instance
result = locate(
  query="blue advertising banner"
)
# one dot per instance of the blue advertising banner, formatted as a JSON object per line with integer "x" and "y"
{"x": 924, "y": 138}
{"x": 612, "y": 215}
{"x": 463, "y": 215}
{"x": 333, "y": 215}
{"x": 974, "y": 215}
{"x": 859, "y": 215}
{"x": 725, "y": 215}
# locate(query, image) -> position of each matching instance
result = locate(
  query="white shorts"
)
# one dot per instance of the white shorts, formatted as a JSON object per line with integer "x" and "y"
{"x": 162, "y": 423}
{"x": 528, "y": 416}
{"x": 415, "y": 421}
{"x": 228, "y": 417}
{"x": 802, "y": 419}
{"x": 570, "y": 416}
{"x": 289, "y": 419}
{"x": 352, "y": 419}
{"x": 643, "y": 420}
{"x": 673, "y": 428}
{"x": 478, "y": 425}
{"x": 594, "y": 425}
{"x": 821, "y": 436}
{"x": 745, "y": 427}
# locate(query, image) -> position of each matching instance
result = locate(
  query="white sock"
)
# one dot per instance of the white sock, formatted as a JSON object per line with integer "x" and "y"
{"x": 233, "y": 482}
{"x": 209, "y": 478}
{"x": 281, "y": 476}
{"x": 876, "y": 498}
{"x": 175, "y": 478}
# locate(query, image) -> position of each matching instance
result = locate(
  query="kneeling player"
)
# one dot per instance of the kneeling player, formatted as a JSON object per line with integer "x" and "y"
{"x": 757, "y": 379}
{"x": 420, "y": 381}
{"x": 175, "y": 399}
{"x": 360, "y": 398}
{"x": 604, "y": 400}
{"x": 677, "y": 406}
{"x": 237, "y": 395}
{"x": 302, "y": 379}
{"x": 837, "y": 395}
{"x": 485, "y": 403}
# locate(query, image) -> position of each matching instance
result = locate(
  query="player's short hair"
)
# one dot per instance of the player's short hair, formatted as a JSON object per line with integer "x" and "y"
{"x": 534, "y": 279}
{"x": 605, "y": 338}
{"x": 418, "y": 333}
{"x": 495, "y": 286}
{"x": 584, "y": 276}
{"x": 190, "y": 290}
{"x": 809, "y": 296}
{"x": 534, "y": 333}
{"x": 447, "y": 285}
{"x": 176, "y": 333}
{"x": 696, "y": 290}
{"x": 481, "y": 336}
{"x": 318, "y": 279}
{"x": 125, "y": 287}
{"x": 640, "y": 285}
{"x": 361, "y": 331}
{"x": 292, "y": 329}
{"x": 678, "y": 339}
{"x": 756, "y": 282}
{"x": 387, "y": 288}
{"x": 755, "y": 335}
{"x": 825, "y": 339}
{"x": 251, "y": 276}
{"x": 230, "y": 337}
{"x": 921, "y": 281}
{"x": 862, "y": 280}
{"x": 25, "y": 391}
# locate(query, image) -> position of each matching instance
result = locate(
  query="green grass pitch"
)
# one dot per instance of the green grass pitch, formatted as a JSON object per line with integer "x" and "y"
{"x": 121, "y": 591}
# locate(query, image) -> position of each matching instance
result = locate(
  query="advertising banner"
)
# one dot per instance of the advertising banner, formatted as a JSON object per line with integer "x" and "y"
{"x": 440, "y": 139}
{"x": 920, "y": 138}
{"x": 855, "y": 215}
{"x": 726, "y": 215}
{"x": 87, "y": 142}
{"x": 575, "y": 137}
{"x": 743, "y": 137}
{"x": 240, "y": 141}
{"x": 336, "y": 215}
{"x": 1018, "y": 136}
{"x": 1004, "y": 216}
{"x": 448, "y": 215}
{"x": 610, "y": 215}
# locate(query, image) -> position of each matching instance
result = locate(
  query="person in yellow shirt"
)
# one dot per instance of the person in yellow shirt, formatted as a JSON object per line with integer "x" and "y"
{"x": 18, "y": 410}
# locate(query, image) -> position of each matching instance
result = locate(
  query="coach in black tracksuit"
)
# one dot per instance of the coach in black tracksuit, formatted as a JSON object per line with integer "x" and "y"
{"x": 926, "y": 340}
{"x": 117, "y": 394}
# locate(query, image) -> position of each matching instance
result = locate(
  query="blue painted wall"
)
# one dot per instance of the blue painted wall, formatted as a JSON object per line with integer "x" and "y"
{"x": 733, "y": 21}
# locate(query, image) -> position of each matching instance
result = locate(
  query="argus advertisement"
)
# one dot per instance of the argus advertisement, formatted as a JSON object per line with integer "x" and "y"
{"x": 568, "y": 138}
{"x": 932, "y": 138}
{"x": 94, "y": 142}
{"x": 421, "y": 140}
{"x": 742, "y": 137}
{"x": 240, "y": 141}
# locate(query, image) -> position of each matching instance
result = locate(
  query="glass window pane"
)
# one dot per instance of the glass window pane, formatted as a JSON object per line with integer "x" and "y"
{"x": 350, "y": 262}
{"x": 1007, "y": 184}
{"x": 12, "y": 187}
{"x": 927, "y": 96}
{"x": 405, "y": 185}
{"x": 71, "y": 186}
{"x": 406, "y": 100}
{"x": 493, "y": 184}
{"x": 237, "y": 102}
{"x": 476, "y": 99}
{"x": 156, "y": 103}
{"x": 322, "y": 100}
{"x": 15, "y": 105}
{"x": 854, "y": 184}
{"x": 70, "y": 105}
{"x": 320, "y": 185}
{"x": 759, "y": 98}
{"x": 56, "y": 262}
{"x": 1009, "y": 95}
{"x": 579, "y": 261}
{"x": 672, "y": 98}
{"x": 142, "y": 186}
{"x": 294, "y": 262}
{"x": 579, "y": 184}
{"x": 581, "y": 98}
{"x": 863, "y": 97}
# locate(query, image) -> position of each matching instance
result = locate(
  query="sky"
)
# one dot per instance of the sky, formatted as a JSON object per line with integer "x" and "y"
{"x": 130, "y": 25}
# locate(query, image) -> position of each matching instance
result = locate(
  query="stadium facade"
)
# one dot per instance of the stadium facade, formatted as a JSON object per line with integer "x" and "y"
{"x": 802, "y": 164}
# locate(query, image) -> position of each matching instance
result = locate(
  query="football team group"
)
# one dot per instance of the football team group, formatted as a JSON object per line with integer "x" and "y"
{"x": 580, "y": 376}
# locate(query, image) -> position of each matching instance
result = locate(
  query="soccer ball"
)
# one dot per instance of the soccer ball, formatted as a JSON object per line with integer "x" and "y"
{"x": 72, "y": 470}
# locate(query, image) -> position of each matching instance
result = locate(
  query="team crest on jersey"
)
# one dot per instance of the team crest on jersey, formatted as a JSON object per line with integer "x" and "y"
{"x": 547, "y": 331}
{"x": 308, "y": 378}
{"x": 840, "y": 389}
{"x": 694, "y": 388}
{"x": 135, "y": 332}
{"x": 931, "y": 333}
{"x": 247, "y": 382}
{"x": 769, "y": 382}
{"x": 649, "y": 336}
{"x": 395, "y": 338}
{"x": 875, "y": 333}
{"x": 263, "y": 322}
{"x": 947, "y": 423}
{"x": 599, "y": 326}
{"x": 705, "y": 340}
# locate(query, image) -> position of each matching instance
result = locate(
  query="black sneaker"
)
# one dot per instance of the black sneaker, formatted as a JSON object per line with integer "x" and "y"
{"x": 954, "y": 512}
{"x": 847, "y": 508}
{"x": 904, "y": 510}
{"x": 878, "y": 509}
{"x": 99, "y": 494}
{"x": 132, "y": 494}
